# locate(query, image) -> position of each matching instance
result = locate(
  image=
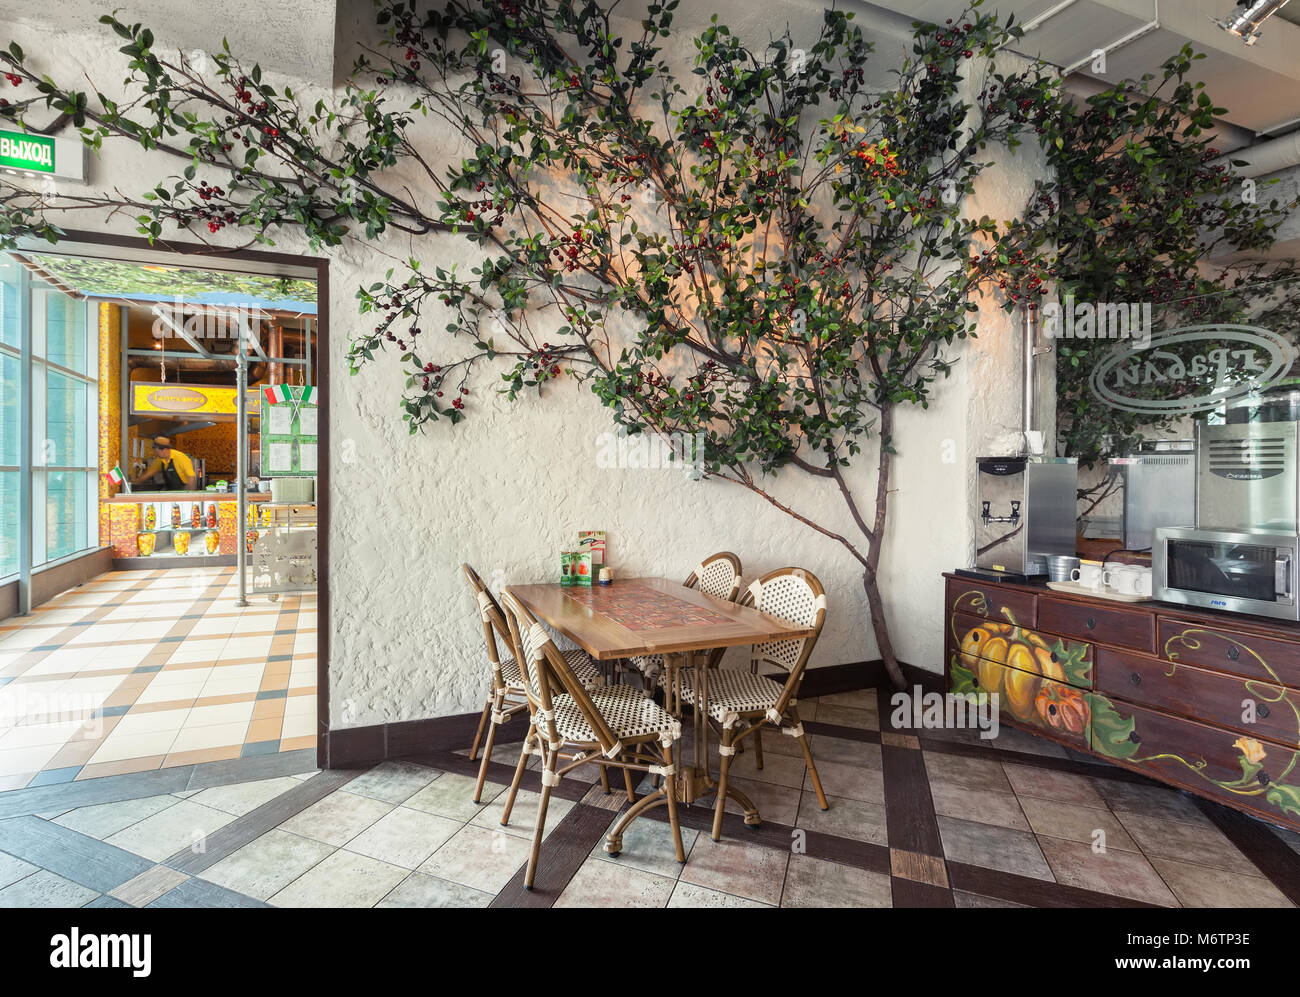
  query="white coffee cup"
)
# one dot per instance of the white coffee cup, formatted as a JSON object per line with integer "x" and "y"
{"x": 1131, "y": 579}
{"x": 1090, "y": 575}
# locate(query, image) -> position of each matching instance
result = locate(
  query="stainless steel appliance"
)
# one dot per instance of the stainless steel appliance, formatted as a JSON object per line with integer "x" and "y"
{"x": 1239, "y": 571}
{"x": 1246, "y": 476}
{"x": 1159, "y": 490}
{"x": 1026, "y": 512}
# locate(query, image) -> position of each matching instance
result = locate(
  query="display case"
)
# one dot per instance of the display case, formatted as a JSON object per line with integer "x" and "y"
{"x": 282, "y": 548}
{"x": 142, "y": 530}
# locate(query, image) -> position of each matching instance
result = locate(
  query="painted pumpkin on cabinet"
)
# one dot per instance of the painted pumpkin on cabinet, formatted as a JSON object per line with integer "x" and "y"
{"x": 1034, "y": 677}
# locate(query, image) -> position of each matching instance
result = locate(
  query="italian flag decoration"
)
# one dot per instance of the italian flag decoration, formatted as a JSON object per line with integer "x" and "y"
{"x": 307, "y": 396}
{"x": 277, "y": 393}
{"x": 115, "y": 476}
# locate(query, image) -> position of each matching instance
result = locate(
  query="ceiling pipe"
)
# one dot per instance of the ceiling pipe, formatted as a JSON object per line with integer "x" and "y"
{"x": 1032, "y": 351}
{"x": 1266, "y": 157}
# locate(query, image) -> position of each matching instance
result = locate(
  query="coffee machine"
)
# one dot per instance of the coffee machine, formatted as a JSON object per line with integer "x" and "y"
{"x": 1025, "y": 513}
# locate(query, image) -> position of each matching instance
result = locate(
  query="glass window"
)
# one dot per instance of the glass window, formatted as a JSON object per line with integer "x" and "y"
{"x": 65, "y": 332}
{"x": 8, "y": 523}
{"x": 65, "y": 421}
{"x": 10, "y": 366}
{"x": 10, "y": 313}
{"x": 66, "y": 513}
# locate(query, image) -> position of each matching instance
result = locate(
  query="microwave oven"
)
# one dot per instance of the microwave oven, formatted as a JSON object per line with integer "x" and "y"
{"x": 1236, "y": 571}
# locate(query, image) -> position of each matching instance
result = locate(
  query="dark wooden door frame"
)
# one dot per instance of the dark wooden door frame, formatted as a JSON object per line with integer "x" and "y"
{"x": 322, "y": 371}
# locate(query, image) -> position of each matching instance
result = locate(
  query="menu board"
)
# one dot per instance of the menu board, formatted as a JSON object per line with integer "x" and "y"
{"x": 290, "y": 437}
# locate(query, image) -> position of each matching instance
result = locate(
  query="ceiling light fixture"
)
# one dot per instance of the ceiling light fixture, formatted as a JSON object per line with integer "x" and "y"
{"x": 1245, "y": 25}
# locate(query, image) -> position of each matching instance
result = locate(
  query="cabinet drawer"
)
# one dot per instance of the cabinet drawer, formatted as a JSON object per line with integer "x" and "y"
{"x": 1061, "y": 659}
{"x": 1199, "y": 694}
{"x": 1227, "y": 651}
{"x": 1236, "y": 769}
{"x": 966, "y": 595}
{"x": 1103, "y": 624}
{"x": 1028, "y": 700}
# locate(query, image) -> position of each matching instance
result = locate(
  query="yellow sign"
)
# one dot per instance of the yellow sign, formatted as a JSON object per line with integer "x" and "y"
{"x": 188, "y": 399}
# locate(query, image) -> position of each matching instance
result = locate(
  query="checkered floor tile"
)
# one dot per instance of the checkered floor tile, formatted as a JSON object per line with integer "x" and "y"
{"x": 139, "y": 670}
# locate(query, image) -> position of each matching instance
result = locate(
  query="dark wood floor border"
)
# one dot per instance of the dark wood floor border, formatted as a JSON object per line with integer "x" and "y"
{"x": 270, "y": 815}
{"x": 1029, "y": 891}
{"x": 563, "y": 852}
{"x": 863, "y": 734}
{"x": 1257, "y": 841}
{"x": 909, "y": 808}
{"x": 1094, "y": 770}
{"x": 907, "y": 893}
{"x": 352, "y": 746}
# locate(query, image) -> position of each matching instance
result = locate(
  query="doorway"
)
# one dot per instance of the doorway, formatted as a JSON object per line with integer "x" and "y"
{"x": 181, "y": 619}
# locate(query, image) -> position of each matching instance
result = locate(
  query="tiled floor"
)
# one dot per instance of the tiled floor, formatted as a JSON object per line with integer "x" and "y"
{"x": 139, "y": 670}
{"x": 924, "y": 820}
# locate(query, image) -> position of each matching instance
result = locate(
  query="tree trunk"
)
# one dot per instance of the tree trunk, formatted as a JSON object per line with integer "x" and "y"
{"x": 881, "y": 627}
{"x": 876, "y": 545}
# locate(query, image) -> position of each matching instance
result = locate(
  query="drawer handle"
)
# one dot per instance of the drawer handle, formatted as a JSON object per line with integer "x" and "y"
{"x": 1233, "y": 653}
{"x": 1262, "y": 711}
{"x": 1135, "y": 678}
{"x": 1092, "y": 623}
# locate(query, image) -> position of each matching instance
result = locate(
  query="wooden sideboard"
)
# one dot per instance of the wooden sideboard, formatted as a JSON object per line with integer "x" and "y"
{"x": 1206, "y": 701}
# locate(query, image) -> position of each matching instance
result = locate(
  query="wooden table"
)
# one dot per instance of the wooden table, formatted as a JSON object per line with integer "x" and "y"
{"x": 636, "y": 616}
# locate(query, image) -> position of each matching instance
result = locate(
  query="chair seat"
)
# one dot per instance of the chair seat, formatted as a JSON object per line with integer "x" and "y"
{"x": 625, "y": 710}
{"x": 732, "y": 691}
{"x": 649, "y": 665}
{"x": 582, "y": 664}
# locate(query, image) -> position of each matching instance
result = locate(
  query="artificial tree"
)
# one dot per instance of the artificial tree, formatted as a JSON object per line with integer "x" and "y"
{"x": 771, "y": 260}
{"x": 1136, "y": 208}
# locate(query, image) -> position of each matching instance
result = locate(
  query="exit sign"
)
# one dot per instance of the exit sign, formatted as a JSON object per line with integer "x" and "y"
{"x": 42, "y": 155}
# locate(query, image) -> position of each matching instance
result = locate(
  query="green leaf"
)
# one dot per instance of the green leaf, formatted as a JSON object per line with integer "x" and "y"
{"x": 1110, "y": 731}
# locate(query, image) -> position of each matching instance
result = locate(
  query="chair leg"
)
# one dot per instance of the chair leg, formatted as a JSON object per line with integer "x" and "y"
{"x": 812, "y": 766}
{"x": 548, "y": 775}
{"x": 604, "y": 779}
{"x": 631, "y": 789}
{"x": 758, "y": 748}
{"x": 519, "y": 774}
{"x": 487, "y": 750}
{"x": 482, "y": 722}
{"x": 671, "y": 790}
{"x": 721, "y": 805}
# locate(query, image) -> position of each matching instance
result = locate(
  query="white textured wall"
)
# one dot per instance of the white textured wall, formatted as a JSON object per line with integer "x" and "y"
{"x": 511, "y": 486}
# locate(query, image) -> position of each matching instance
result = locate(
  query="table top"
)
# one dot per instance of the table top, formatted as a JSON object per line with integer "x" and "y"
{"x": 634, "y": 616}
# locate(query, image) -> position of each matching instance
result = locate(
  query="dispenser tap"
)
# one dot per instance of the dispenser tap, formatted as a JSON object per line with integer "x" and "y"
{"x": 1013, "y": 519}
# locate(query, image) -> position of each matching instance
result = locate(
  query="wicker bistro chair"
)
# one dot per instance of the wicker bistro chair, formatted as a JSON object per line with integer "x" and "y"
{"x": 613, "y": 727}
{"x": 741, "y": 702}
{"x": 717, "y": 575}
{"x": 507, "y": 694}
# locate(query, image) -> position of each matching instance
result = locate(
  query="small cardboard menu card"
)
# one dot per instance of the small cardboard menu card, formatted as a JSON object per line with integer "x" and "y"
{"x": 593, "y": 541}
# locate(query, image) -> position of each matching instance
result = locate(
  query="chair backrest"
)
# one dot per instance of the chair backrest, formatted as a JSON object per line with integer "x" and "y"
{"x": 547, "y": 674}
{"x": 796, "y": 596}
{"x": 494, "y": 623}
{"x": 717, "y": 575}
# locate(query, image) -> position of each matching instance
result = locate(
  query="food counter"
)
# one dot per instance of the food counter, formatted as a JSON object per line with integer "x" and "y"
{"x": 164, "y": 527}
